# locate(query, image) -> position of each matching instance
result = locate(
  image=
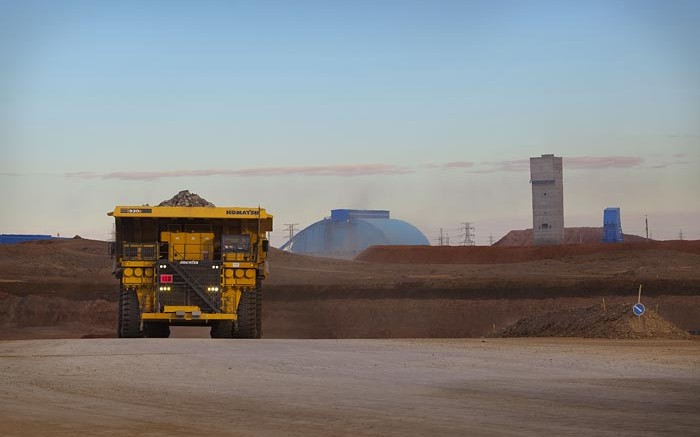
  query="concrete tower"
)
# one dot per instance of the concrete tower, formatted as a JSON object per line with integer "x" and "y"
{"x": 547, "y": 200}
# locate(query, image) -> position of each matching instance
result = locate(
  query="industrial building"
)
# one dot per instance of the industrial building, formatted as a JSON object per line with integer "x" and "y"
{"x": 546, "y": 177}
{"x": 612, "y": 226}
{"x": 348, "y": 232}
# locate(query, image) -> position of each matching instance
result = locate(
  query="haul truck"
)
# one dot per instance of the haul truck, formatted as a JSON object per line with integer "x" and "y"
{"x": 200, "y": 266}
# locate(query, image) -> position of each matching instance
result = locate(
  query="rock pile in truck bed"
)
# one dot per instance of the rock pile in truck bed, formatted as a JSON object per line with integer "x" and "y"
{"x": 615, "y": 321}
{"x": 185, "y": 198}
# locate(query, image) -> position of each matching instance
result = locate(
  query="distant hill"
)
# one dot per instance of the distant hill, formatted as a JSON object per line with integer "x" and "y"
{"x": 571, "y": 236}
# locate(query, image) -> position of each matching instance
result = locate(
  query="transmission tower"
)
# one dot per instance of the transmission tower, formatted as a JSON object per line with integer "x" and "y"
{"x": 490, "y": 239}
{"x": 291, "y": 228}
{"x": 468, "y": 234}
{"x": 680, "y": 235}
{"x": 441, "y": 239}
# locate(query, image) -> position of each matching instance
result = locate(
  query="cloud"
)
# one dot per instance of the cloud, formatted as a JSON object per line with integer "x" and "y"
{"x": 329, "y": 170}
{"x": 459, "y": 164}
{"x": 449, "y": 165}
{"x": 27, "y": 174}
{"x": 354, "y": 170}
{"x": 344, "y": 170}
{"x": 507, "y": 165}
{"x": 601, "y": 162}
{"x": 570, "y": 163}
{"x": 668, "y": 164}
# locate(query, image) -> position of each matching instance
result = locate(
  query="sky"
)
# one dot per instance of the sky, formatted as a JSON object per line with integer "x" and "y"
{"x": 429, "y": 109}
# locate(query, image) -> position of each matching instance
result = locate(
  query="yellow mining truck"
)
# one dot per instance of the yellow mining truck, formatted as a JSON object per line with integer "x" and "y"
{"x": 192, "y": 265}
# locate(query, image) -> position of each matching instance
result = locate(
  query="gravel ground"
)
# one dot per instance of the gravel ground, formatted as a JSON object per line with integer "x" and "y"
{"x": 164, "y": 387}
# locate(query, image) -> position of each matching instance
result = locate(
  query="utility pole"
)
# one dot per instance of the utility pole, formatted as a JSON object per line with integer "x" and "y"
{"x": 291, "y": 227}
{"x": 646, "y": 225}
{"x": 441, "y": 240}
{"x": 447, "y": 239}
{"x": 680, "y": 235}
{"x": 468, "y": 234}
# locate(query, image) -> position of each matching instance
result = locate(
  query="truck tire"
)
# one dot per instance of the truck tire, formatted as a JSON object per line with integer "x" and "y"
{"x": 119, "y": 316}
{"x": 246, "y": 325}
{"x": 258, "y": 311}
{"x": 129, "y": 314}
{"x": 156, "y": 330}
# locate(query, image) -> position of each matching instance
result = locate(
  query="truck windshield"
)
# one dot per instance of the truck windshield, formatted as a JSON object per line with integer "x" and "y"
{"x": 235, "y": 243}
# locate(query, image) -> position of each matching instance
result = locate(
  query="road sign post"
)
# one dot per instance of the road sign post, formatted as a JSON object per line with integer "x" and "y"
{"x": 639, "y": 296}
{"x": 638, "y": 309}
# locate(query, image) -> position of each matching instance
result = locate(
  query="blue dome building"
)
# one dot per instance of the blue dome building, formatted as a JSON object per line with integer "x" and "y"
{"x": 348, "y": 232}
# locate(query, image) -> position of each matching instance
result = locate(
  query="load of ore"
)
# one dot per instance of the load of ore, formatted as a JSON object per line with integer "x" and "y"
{"x": 185, "y": 198}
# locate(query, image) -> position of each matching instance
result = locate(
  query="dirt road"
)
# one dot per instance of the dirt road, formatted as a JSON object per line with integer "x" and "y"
{"x": 154, "y": 387}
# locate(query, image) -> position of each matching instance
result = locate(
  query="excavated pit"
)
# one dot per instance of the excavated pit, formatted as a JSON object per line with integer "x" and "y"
{"x": 307, "y": 297}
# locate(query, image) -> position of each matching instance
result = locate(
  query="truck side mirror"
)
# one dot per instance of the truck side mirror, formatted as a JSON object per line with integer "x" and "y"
{"x": 265, "y": 245}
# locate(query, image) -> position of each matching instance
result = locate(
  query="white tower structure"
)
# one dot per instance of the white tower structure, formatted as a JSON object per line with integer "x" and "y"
{"x": 546, "y": 177}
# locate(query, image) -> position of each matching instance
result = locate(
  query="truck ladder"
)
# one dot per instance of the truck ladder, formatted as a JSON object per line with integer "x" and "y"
{"x": 196, "y": 287}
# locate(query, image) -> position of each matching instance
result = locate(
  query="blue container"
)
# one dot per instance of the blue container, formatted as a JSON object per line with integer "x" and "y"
{"x": 612, "y": 226}
{"x": 21, "y": 238}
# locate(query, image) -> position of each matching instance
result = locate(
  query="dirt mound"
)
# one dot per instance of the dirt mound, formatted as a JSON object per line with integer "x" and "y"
{"x": 74, "y": 260}
{"x": 185, "y": 198}
{"x": 615, "y": 321}
{"x": 504, "y": 255}
{"x": 571, "y": 236}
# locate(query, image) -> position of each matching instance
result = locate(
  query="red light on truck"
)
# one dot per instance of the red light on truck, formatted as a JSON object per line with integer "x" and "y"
{"x": 166, "y": 279}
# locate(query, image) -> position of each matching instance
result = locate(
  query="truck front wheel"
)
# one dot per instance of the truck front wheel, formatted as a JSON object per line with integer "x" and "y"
{"x": 247, "y": 324}
{"x": 129, "y": 314}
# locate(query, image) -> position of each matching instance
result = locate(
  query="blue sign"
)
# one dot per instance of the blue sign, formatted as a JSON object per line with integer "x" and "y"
{"x": 638, "y": 309}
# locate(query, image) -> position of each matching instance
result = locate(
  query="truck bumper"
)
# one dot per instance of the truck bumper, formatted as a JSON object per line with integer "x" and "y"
{"x": 185, "y": 313}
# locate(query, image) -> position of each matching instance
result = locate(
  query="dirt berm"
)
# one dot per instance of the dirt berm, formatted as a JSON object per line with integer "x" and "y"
{"x": 611, "y": 321}
{"x": 517, "y": 254}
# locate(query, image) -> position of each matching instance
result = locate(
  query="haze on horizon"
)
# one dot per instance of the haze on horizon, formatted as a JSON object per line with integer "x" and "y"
{"x": 428, "y": 109}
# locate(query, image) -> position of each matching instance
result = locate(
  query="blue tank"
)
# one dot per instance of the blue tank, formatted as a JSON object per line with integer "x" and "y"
{"x": 612, "y": 226}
